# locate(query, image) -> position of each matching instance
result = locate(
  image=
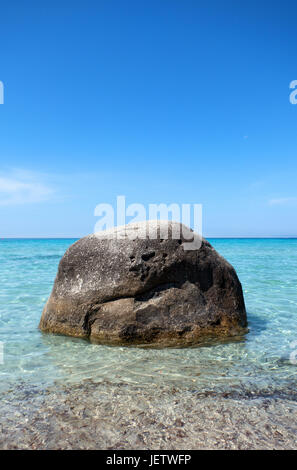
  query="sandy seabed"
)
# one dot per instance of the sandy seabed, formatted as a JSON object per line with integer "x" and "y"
{"x": 118, "y": 416}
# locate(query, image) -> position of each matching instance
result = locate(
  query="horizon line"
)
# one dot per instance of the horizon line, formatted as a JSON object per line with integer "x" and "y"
{"x": 206, "y": 237}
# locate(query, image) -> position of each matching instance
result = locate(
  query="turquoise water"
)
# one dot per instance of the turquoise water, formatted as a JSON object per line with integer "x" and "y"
{"x": 260, "y": 363}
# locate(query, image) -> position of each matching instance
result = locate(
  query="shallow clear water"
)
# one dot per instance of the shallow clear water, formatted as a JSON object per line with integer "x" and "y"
{"x": 260, "y": 363}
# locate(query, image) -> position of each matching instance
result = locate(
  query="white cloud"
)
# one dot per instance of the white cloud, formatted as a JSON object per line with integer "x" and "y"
{"x": 282, "y": 201}
{"x": 22, "y": 187}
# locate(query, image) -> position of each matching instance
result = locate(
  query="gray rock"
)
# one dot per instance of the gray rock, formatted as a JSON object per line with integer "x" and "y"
{"x": 136, "y": 290}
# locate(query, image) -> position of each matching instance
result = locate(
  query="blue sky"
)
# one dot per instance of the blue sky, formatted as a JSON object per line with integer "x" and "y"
{"x": 161, "y": 101}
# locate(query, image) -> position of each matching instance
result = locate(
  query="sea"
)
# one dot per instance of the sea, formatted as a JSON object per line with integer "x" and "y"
{"x": 263, "y": 362}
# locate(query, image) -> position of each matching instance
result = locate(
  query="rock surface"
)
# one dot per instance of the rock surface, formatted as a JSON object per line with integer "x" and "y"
{"x": 131, "y": 290}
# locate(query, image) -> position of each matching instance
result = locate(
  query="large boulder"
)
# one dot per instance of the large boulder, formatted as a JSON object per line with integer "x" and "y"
{"x": 121, "y": 287}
